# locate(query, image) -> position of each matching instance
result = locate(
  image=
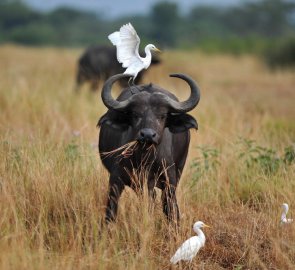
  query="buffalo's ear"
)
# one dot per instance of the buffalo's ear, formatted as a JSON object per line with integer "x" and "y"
{"x": 116, "y": 120}
{"x": 181, "y": 122}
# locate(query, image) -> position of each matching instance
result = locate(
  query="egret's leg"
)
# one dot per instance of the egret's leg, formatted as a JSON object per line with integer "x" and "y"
{"x": 134, "y": 77}
{"x": 133, "y": 80}
{"x": 129, "y": 81}
{"x": 133, "y": 83}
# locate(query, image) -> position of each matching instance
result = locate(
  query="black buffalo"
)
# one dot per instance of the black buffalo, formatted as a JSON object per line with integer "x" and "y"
{"x": 98, "y": 63}
{"x": 157, "y": 121}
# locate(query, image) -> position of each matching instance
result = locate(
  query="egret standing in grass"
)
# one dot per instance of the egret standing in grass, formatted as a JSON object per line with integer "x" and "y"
{"x": 284, "y": 219}
{"x": 127, "y": 42}
{"x": 191, "y": 246}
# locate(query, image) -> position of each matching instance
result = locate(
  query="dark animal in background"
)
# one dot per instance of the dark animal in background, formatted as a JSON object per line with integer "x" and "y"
{"x": 155, "y": 119}
{"x": 98, "y": 63}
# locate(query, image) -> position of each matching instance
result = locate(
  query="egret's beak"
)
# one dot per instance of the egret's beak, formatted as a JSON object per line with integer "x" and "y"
{"x": 157, "y": 50}
{"x": 206, "y": 226}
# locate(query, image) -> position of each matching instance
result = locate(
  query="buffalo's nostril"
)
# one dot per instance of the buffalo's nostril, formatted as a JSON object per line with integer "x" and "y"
{"x": 147, "y": 134}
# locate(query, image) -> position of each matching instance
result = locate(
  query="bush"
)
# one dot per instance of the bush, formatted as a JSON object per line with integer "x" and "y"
{"x": 281, "y": 54}
{"x": 207, "y": 162}
{"x": 33, "y": 34}
{"x": 266, "y": 159}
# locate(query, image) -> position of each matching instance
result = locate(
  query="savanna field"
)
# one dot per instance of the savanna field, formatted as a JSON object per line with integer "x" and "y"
{"x": 53, "y": 187}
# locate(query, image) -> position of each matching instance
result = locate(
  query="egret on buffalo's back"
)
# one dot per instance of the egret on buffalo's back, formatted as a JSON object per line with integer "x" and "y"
{"x": 188, "y": 250}
{"x": 127, "y": 42}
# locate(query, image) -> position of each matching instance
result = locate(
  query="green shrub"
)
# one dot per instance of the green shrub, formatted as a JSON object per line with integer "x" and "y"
{"x": 289, "y": 156}
{"x": 72, "y": 151}
{"x": 207, "y": 162}
{"x": 266, "y": 159}
{"x": 281, "y": 54}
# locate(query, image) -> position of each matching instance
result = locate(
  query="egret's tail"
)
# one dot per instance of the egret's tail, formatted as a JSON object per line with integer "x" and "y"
{"x": 289, "y": 220}
{"x": 115, "y": 38}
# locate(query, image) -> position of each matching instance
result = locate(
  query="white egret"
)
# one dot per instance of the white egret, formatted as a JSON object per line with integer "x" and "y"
{"x": 284, "y": 218}
{"x": 127, "y": 42}
{"x": 191, "y": 246}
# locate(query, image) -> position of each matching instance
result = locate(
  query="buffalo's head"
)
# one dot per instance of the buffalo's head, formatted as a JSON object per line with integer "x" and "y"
{"x": 146, "y": 110}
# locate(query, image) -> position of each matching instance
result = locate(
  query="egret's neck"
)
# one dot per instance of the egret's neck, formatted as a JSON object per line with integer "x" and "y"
{"x": 148, "y": 54}
{"x": 201, "y": 235}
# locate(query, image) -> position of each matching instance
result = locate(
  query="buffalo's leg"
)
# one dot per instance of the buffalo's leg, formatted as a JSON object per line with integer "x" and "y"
{"x": 152, "y": 194}
{"x": 152, "y": 199}
{"x": 116, "y": 186}
{"x": 79, "y": 81}
{"x": 94, "y": 84}
{"x": 151, "y": 188}
{"x": 169, "y": 201}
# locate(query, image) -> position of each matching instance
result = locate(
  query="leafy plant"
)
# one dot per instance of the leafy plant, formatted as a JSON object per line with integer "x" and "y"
{"x": 72, "y": 151}
{"x": 281, "y": 54}
{"x": 207, "y": 162}
{"x": 289, "y": 156}
{"x": 262, "y": 157}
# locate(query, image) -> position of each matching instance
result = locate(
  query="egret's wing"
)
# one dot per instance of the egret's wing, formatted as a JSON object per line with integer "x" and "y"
{"x": 188, "y": 249}
{"x": 135, "y": 65}
{"x": 115, "y": 38}
{"x": 127, "y": 42}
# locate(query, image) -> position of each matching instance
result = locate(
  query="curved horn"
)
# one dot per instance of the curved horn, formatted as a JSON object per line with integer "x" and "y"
{"x": 106, "y": 95}
{"x": 193, "y": 99}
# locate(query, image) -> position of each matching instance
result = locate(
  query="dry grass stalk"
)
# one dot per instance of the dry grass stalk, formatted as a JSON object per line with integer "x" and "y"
{"x": 127, "y": 148}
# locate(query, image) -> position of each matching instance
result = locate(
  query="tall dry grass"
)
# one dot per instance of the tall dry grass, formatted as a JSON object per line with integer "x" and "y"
{"x": 53, "y": 186}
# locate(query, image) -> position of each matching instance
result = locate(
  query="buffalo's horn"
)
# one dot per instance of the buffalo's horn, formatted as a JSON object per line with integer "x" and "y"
{"x": 176, "y": 106}
{"x": 106, "y": 95}
{"x": 193, "y": 99}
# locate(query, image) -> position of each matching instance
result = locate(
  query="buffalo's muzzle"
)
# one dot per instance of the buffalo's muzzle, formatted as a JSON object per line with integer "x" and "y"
{"x": 147, "y": 135}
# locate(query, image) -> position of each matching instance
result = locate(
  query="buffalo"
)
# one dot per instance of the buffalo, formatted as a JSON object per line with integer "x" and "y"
{"x": 152, "y": 121}
{"x": 98, "y": 63}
